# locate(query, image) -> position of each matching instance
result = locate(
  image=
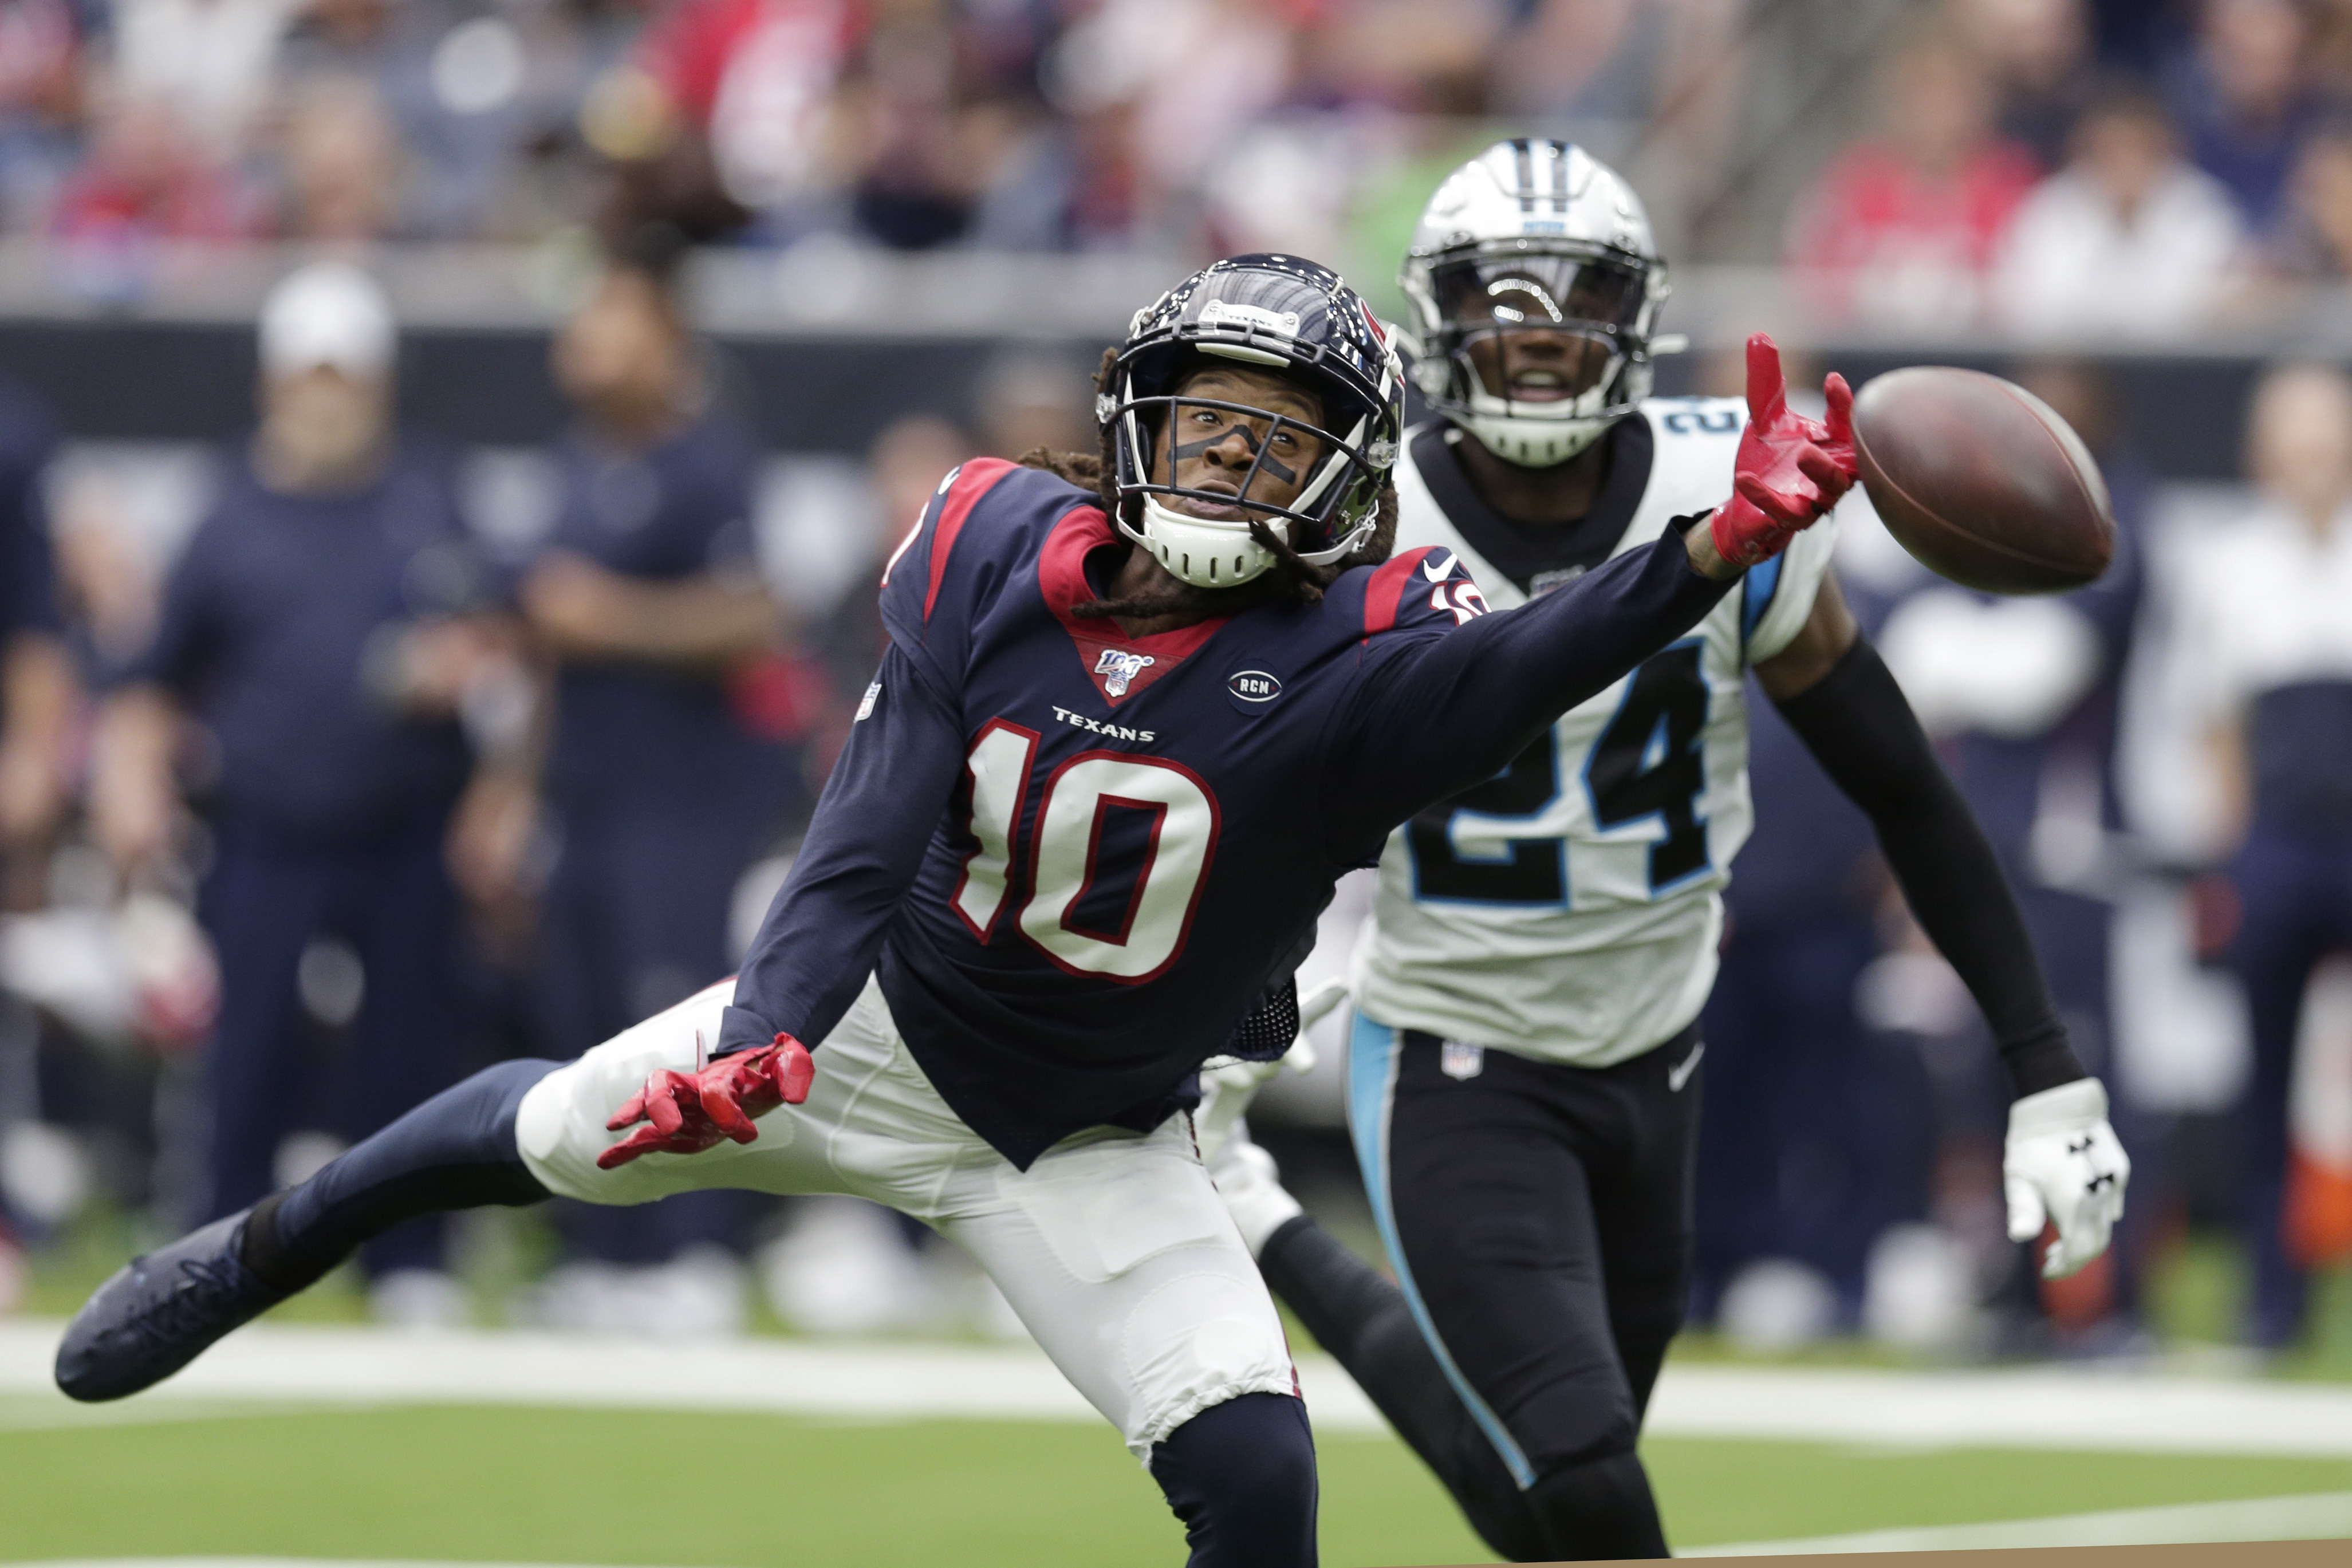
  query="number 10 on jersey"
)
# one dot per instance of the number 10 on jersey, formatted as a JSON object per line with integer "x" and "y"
{"x": 1117, "y": 857}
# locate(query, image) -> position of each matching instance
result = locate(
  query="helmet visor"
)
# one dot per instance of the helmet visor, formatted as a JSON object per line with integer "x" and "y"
{"x": 1538, "y": 291}
{"x": 1536, "y": 329}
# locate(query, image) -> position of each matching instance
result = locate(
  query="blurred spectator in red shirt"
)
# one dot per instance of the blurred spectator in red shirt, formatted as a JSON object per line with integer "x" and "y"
{"x": 2246, "y": 100}
{"x": 2127, "y": 240}
{"x": 146, "y": 179}
{"x": 756, "y": 79}
{"x": 2039, "y": 52}
{"x": 1901, "y": 227}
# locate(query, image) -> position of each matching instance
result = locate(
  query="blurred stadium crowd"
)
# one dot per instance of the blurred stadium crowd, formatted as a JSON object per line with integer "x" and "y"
{"x": 333, "y": 764}
{"x": 2124, "y": 164}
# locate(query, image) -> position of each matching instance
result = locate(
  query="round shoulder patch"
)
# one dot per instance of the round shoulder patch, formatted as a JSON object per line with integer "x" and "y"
{"x": 1253, "y": 690}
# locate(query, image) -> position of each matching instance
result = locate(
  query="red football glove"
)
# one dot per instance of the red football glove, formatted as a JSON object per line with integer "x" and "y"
{"x": 690, "y": 1112}
{"x": 1790, "y": 470}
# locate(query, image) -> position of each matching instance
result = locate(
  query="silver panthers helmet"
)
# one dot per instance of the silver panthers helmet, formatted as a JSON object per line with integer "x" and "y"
{"x": 1533, "y": 237}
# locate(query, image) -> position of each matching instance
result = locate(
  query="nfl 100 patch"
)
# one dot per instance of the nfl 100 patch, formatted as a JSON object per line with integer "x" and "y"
{"x": 1253, "y": 690}
{"x": 1119, "y": 667}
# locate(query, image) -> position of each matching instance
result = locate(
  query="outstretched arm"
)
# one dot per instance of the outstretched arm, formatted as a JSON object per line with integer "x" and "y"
{"x": 1837, "y": 694}
{"x": 1440, "y": 714}
{"x": 1437, "y": 714}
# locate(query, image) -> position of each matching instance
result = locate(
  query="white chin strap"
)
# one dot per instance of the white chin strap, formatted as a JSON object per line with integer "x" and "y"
{"x": 1208, "y": 553}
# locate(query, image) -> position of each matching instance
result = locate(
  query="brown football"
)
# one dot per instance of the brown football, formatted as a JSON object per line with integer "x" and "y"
{"x": 1982, "y": 481}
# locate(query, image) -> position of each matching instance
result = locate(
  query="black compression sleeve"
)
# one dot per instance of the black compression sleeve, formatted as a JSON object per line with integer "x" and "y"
{"x": 1855, "y": 721}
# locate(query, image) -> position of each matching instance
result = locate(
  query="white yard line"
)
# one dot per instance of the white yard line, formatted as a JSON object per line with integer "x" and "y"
{"x": 2321, "y": 1516}
{"x": 34, "y": 1413}
{"x": 2116, "y": 1410}
{"x": 342, "y": 1366}
{"x": 2112, "y": 1408}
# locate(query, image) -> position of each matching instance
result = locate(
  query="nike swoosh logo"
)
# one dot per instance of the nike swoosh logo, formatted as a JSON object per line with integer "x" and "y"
{"x": 1438, "y": 568}
{"x": 1679, "y": 1074}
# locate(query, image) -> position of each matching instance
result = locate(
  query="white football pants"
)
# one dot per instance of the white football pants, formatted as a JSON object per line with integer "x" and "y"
{"x": 1113, "y": 1247}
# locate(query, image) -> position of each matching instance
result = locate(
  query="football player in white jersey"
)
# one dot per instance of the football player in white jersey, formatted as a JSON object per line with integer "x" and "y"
{"x": 1523, "y": 1075}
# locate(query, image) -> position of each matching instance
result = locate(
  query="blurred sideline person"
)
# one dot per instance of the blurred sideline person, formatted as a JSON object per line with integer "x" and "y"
{"x": 2272, "y": 644}
{"x": 1091, "y": 806}
{"x": 40, "y": 692}
{"x": 2020, "y": 695}
{"x": 647, "y": 597}
{"x": 1520, "y": 1074}
{"x": 903, "y": 466}
{"x": 1818, "y": 1132}
{"x": 2128, "y": 240}
{"x": 316, "y": 628}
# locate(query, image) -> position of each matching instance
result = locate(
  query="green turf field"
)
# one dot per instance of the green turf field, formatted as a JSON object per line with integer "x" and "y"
{"x": 536, "y": 1486}
{"x": 524, "y": 1485}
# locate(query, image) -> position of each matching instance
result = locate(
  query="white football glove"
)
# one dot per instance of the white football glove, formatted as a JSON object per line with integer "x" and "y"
{"x": 1227, "y": 1087}
{"x": 2063, "y": 1164}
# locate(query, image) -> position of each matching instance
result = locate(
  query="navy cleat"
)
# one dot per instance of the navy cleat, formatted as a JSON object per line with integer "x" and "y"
{"x": 160, "y": 1312}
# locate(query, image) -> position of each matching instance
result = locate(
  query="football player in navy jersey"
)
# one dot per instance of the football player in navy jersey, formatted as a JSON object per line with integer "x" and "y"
{"x": 1125, "y": 734}
{"x": 1523, "y": 1068}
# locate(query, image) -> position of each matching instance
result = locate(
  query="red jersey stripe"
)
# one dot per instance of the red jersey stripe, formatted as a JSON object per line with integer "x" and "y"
{"x": 1386, "y": 590}
{"x": 973, "y": 480}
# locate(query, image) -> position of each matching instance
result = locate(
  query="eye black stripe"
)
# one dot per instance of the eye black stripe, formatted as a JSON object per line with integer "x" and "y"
{"x": 1526, "y": 174}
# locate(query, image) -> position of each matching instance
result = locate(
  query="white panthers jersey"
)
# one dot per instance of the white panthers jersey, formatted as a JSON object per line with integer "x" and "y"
{"x": 1568, "y": 909}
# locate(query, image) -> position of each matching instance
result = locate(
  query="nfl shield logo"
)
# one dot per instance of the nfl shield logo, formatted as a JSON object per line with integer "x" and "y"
{"x": 1118, "y": 667}
{"x": 1457, "y": 1061}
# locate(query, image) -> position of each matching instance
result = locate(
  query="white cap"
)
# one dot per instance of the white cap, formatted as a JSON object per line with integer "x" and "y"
{"x": 327, "y": 313}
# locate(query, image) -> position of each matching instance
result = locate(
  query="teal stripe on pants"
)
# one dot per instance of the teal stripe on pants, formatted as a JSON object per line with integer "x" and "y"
{"x": 1373, "y": 1052}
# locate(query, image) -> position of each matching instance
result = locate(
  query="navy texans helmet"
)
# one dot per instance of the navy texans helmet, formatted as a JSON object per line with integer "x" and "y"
{"x": 1288, "y": 315}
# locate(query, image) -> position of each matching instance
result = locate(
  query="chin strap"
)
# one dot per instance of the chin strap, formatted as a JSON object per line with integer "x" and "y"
{"x": 1173, "y": 539}
{"x": 1345, "y": 548}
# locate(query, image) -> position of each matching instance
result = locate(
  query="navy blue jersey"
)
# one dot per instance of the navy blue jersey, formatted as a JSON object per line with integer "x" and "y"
{"x": 1074, "y": 858}
{"x": 273, "y": 626}
{"x": 635, "y": 733}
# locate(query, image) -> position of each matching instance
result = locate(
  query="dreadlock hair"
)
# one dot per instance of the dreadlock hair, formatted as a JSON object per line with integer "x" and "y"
{"x": 1289, "y": 581}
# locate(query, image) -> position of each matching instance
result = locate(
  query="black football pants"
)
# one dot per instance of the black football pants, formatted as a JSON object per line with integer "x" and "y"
{"x": 1539, "y": 1220}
